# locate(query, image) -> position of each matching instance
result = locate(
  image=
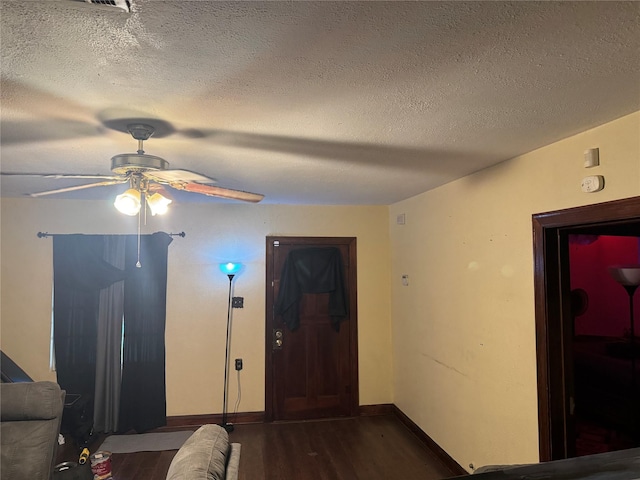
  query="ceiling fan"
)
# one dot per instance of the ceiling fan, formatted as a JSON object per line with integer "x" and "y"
{"x": 146, "y": 174}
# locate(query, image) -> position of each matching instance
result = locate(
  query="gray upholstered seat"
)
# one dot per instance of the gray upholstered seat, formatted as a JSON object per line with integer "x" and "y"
{"x": 30, "y": 415}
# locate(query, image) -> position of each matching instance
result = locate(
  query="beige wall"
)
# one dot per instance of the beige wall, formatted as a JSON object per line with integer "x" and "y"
{"x": 463, "y": 330}
{"x": 197, "y": 290}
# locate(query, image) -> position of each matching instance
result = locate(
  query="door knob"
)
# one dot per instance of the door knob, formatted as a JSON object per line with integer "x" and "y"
{"x": 278, "y": 336}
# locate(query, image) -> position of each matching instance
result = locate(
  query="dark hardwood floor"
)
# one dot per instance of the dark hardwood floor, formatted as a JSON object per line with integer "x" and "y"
{"x": 371, "y": 448}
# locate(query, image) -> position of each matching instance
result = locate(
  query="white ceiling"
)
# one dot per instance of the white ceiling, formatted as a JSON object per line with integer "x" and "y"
{"x": 308, "y": 102}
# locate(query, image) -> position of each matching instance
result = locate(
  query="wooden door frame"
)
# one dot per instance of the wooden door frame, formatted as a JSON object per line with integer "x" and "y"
{"x": 550, "y": 303}
{"x": 353, "y": 316}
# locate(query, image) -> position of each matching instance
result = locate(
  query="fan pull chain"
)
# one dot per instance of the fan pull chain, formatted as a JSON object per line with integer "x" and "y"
{"x": 138, "y": 264}
{"x": 144, "y": 204}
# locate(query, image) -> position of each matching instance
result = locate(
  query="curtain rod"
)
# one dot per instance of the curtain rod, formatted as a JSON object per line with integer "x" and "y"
{"x": 47, "y": 234}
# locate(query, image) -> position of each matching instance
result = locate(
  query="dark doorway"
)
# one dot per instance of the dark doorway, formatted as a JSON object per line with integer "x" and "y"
{"x": 312, "y": 371}
{"x": 555, "y": 316}
{"x": 605, "y": 371}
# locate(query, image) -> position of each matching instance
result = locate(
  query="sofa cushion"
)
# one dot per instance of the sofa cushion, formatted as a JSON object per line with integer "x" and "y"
{"x": 203, "y": 456}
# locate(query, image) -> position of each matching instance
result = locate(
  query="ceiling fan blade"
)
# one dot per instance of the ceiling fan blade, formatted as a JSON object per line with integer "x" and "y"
{"x": 79, "y": 187}
{"x": 48, "y": 130}
{"x": 64, "y": 175}
{"x": 96, "y": 176}
{"x": 218, "y": 192}
{"x": 41, "y": 102}
{"x": 170, "y": 176}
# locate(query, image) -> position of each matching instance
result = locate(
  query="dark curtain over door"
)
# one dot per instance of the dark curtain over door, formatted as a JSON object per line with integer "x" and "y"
{"x": 143, "y": 395}
{"x": 311, "y": 270}
{"x": 79, "y": 274}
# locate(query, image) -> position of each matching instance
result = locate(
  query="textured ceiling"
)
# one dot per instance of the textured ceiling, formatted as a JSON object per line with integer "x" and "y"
{"x": 308, "y": 102}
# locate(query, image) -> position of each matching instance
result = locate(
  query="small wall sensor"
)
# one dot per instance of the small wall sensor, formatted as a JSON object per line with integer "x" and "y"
{"x": 400, "y": 219}
{"x": 592, "y": 183}
{"x": 591, "y": 158}
{"x": 405, "y": 280}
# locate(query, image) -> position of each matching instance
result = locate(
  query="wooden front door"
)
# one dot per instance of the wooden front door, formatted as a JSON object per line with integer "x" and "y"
{"x": 311, "y": 372}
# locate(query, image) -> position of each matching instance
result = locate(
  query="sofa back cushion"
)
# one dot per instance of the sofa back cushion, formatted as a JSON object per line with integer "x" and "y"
{"x": 203, "y": 456}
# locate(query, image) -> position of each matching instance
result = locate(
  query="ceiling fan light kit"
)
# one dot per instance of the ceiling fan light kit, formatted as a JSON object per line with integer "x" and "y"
{"x": 128, "y": 202}
{"x": 158, "y": 204}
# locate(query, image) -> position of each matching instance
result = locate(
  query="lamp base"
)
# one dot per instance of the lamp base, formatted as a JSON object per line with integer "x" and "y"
{"x": 227, "y": 426}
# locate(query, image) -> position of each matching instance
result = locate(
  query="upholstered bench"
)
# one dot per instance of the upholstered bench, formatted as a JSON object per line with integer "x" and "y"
{"x": 206, "y": 455}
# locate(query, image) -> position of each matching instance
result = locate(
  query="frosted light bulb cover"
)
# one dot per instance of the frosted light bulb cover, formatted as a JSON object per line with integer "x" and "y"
{"x": 626, "y": 274}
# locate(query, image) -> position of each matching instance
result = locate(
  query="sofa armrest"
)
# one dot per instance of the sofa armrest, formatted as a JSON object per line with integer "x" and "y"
{"x": 30, "y": 401}
{"x": 31, "y": 416}
{"x": 203, "y": 455}
{"x": 233, "y": 462}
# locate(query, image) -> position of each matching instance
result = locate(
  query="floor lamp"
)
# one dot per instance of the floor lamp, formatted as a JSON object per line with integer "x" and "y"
{"x": 629, "y": 277}
{"x": 230, "y": 270}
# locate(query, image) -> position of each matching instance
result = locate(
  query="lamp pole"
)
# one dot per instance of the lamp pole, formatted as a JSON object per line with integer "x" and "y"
{"x": 227, "y": 426}
{"x": 629, "y": 277}
{"x": 631, "y": 290}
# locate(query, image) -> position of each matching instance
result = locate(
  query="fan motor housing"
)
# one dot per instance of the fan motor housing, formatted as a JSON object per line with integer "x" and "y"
{"x": 131, "y": 162}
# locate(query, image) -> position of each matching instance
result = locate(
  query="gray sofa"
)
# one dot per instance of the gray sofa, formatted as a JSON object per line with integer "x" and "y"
{"x": 617, "y": 465}
{"x": 30, "y": 416}
{"x": 206, "y": 455}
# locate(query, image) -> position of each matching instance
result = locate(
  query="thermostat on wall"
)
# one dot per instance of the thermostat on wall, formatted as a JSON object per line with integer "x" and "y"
{"x": 592, "y": 183}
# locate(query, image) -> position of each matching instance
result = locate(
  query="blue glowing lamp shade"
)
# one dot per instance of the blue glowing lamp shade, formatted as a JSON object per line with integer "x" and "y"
{"x": 230, "y": 268}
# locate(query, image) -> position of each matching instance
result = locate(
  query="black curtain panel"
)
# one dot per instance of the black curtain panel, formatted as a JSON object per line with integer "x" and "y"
{"x": 143, "y": 394}
{"x": 106, "y": 405}
{"x": 80, "y": 272}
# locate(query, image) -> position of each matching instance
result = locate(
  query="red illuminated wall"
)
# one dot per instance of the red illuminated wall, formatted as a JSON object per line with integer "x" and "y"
{"x": 608, "y": 311}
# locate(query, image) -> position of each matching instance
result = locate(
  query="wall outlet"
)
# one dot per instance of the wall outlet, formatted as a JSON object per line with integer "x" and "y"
{"x": 238, "y": 364}
{"x": 237, "y": 302}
